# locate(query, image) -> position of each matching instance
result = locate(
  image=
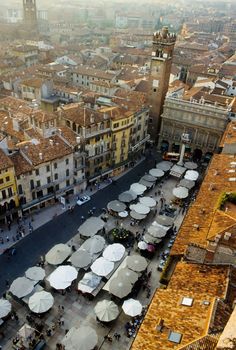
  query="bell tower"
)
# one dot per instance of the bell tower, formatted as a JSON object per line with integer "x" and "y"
{"x": 30, "y": 14}
{"x": 162, "y": 53}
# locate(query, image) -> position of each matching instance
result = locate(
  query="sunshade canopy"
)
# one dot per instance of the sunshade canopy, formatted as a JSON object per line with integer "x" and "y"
{"x": 41, "y": 302}
{"x": 148, "y": 201}
{"x": 136, "y": 263}
{"x": 35, "y": 273}
{"x": 21, "y": 287}
{"x": 164, "y": 220}
{"x": 190, "y": 165}
{"x": 156, "y": 172}
{"x": 149, "y": 178}
{"x": 26, "y": 331}
{"x": 116, "y": 206}
{"x": 140, "y": 208}
{"x": 136, "y": 215}
{"x": 81, "y": 258}
{"x": 58, "y": 254}
{"x": 191, "y": 175}
{"x": 145, "y": 183}
{"x": 114, "y": 252}
{"x": 102, "y": 266}
{"x": 156, "y": 231}
{"x": 5, "y": 307}
{"x": 62, "y": 277}
{"x": 127, "y": 196}
{"x": 138, "y": 188}
{"x": 132, "y": 307}
{"x": 150, "y": 239}
{"x": 91, "y": 226}
{"x": 164, "y": 165}
{"x": 128, "y": 274}
{"x": 89, "y": 282}
{"x": 142, "y": 245}
{"x": 123, "y": 214}
{"x": 94, "y": 244}
{"x": 106, "y": 310}
{"x": 84, "y": 338}
{"x": 187, "y": 183}
{"x": 180, "y": 192}
{"x": 120, "y": 287}
{"x": 177, "y": 171}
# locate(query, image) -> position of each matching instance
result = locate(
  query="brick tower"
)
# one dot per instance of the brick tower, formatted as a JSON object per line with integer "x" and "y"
{"x": 30, "y": 14}
{"x": 162, "y": 53}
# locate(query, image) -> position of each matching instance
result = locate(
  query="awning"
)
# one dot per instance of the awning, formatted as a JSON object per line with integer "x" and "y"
{"x": 177, "y": 171}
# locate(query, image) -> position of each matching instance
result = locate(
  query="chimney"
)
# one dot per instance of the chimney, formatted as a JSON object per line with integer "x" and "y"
{"x": 51, "y": 142}
{"x": 41, "y": 156}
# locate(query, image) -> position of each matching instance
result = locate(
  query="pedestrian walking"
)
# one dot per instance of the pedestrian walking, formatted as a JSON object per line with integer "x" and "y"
{"x": 9, "y": 225}
{"x": 117, "y": 336}
{"x": 7, "y": 238}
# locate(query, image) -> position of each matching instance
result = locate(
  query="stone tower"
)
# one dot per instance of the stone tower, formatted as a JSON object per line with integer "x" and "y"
{"x": 30, "y": 14}
{"x": 162, "y": 53}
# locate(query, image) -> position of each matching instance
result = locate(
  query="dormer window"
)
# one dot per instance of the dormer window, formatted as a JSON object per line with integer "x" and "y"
{"x": 186, "y": 301}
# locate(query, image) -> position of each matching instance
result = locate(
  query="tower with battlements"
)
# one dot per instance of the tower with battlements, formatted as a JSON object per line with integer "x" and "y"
{"x": 30, "y": 15}
{"x": 162, "y": 53}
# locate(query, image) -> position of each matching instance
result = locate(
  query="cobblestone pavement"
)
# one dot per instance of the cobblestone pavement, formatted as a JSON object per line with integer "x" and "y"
{"x": 80, "y": 311}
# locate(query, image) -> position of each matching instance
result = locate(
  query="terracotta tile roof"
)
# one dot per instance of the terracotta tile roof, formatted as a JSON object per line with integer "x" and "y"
{"x": 45, "y": 150}
{"x": 33, "y": 82}
{"x": 96, "y": 73}
{"x": 43, "y": 116}
{"x": 6, "y": 126}
{"x": 68, "y": 134}
{"x": 220, "y": 178}
{"x": 81, "y": 115}
{"x": 21, "y": 165}
{"x": 211, "y": 280}
{"x": 191, "y": 322}
{"x": 5, "y": 161}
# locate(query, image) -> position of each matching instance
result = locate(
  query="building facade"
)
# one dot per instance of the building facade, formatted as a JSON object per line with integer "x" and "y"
{"x": 204, "y": 123}
{"x": 162, "y": 53}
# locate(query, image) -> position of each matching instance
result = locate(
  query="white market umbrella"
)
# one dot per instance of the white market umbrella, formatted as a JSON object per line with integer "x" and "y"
{"x": 150, "y": 239}
{"x": 191, "y": 175}
{"x": 140, "y": 208}
{"x": 35, "y": 273}
{"x": 120, "y": 287}
{"x": 81, "y": 258}
{"x": 164, "y": 165}
{"x": 41, "y": 302}
{"x": 138, "y": 188}
{"x": 123, "y": 214}
{"x": 190, "y": 165}
{"x": 94, "y": 244}
{"x": 114, "y": 252}
{"x": 26, "y": 331}
{"x": 156, "y": 172}
{"x": 5, "y": 308}
{"x": 148, "y": 201}
{"x": 145, "y": 183}
{"x": 136, "y": 215}
{"x": 62, "y": 277}
{"x": 83, "y": 338}
{"x": 142, "y": 245}
{"x": 91, "y": 226}
{"x": 116, "y": 206}
{"x": 136, "y": 263}
{"x": 156, "y": 232}
{"x": 102, "y": 267}
{"x": 128, "y": 274}
{"x": 58, "y": 254}
{"x": 180, "y": 192}
{"x": 149, "y": 178}
{"x": 132, "y": 307}
{"x": 21, "y": 287}
{"x": 106, "y": 310}
{"x": 189, "y": 184}
{"x": 127, "y": 196}
{"x": 164, "y": 220}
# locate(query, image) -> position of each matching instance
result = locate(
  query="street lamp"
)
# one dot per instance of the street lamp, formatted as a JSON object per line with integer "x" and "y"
{"x": 185, "y": 140}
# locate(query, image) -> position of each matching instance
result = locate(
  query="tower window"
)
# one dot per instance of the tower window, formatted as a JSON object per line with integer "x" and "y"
{"x": 154, "y": 90}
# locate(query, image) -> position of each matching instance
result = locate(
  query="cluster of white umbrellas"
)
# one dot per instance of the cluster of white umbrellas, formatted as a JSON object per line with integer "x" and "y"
{"x": 62, "y": 277}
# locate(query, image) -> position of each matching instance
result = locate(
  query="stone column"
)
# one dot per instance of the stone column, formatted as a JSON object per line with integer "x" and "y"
{"x": 181, "y": 159}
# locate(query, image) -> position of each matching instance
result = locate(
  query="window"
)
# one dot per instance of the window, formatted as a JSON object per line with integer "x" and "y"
{"x": 10, "y": 192}
{"x": 47, "y": 168}
{"x": 57, "y": 187}
{"x": 187, "y": 301}
{"x": 48, "y": 179}
{"x": 4, "y": 196}
{"x": 31, "y": 184}
{"x": 37, "y": 172}
{"x": 67, "y": 161}
{"x": 116, "y": 125}
{"x": 8, "y": 178}
{"x": 55, "y": 165}
{"x": 175, "y": 337}
{"x": 38, "y": 184}
{"x": 67, "y": 182}
{"x": 56, "y": 176}
{"x": 67, "y": 172}
{"x": 20, "y": 190}
{"x": 1, "y": 181}
{"x": 18, "y": 177}
{"x": 154, "y": 90}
